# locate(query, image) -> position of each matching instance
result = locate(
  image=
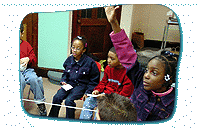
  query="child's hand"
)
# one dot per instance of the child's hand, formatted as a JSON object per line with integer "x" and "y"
{"x": 24, "y": 60}
{"x": 24, "y": 65}
{"x": 96, "y": 92}
{"x": 110, "y": 13}
{"x": 111, "y": 16}
{"x": 63, "y": 83}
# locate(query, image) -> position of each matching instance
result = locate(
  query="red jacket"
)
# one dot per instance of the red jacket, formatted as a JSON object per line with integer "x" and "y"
{"x": 26, "y": 50}
{"x": 115, "y": 81}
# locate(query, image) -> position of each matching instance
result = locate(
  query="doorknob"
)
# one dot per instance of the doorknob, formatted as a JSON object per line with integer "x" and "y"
{"x": 79, "y": 21}
{"x": 78, "y": 18}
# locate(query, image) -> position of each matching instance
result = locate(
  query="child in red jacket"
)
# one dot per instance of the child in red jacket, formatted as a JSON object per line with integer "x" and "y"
{"x": 28, "y": 75}
{"x": 115, "y": 80}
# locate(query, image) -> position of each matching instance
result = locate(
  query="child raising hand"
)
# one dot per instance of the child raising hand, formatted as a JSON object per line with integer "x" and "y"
{"x": 153, "y": 95}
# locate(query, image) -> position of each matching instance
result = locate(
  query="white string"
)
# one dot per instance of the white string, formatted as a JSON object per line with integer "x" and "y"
{"x": 60, "y": 105}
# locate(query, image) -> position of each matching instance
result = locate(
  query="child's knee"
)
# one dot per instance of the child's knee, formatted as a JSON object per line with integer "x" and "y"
{"x": 39, "y": 79}
{"x": 69, "y": 102}
{"x": 56, "y": 99}
{"x": 32, "y": 80}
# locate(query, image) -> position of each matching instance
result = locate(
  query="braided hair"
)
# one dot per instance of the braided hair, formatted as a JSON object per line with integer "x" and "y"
{"x": 170, "y": 60}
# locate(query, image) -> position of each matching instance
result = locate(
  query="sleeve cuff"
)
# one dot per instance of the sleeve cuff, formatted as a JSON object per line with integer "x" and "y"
{"x": 118, "y": 37}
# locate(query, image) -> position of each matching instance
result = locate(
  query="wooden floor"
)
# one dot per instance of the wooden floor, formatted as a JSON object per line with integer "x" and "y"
{"x": 49, "y": 91}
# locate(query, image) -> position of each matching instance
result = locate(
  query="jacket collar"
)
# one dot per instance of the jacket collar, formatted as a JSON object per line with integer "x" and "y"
{"x": 166, "y": 100}
{"x": 80, "y": 62}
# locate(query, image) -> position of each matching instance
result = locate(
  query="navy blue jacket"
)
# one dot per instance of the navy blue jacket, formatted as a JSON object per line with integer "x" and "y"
{"x": 149, "y": 107}
{"x": 83, "y": 73}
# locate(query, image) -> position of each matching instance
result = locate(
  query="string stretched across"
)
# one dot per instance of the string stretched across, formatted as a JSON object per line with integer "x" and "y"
{"x": 59, "y": 105}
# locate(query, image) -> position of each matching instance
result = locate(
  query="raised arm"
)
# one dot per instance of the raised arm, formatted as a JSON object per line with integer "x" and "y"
{"x": 111, "y": 17}
{"x": 121, "y": 42}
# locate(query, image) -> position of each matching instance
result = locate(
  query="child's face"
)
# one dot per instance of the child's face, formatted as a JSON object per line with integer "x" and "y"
{"x": 77, "y": 49}
{"x": 113, "y": 60}
{"x": 154, "y": 76}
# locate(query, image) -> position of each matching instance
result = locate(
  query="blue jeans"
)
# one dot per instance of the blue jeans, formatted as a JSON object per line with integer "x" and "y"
{"x": 28, "y": 76}
{"x": 89, "y": 103}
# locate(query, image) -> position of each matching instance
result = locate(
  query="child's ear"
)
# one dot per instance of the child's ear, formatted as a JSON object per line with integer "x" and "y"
{"x": 84, "y": 50}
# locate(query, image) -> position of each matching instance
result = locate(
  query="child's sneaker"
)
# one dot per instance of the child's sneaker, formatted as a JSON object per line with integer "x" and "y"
{"x": 42, "y": 109}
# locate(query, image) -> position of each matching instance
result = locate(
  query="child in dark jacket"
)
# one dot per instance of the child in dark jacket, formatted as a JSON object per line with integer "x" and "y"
{"x": 115, "y": 80}
{"x": 81, "y": 72}
{"x": 153, "y": 95}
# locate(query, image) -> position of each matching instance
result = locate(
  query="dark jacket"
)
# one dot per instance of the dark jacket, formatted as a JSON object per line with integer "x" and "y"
{"x": 83, "y": 73}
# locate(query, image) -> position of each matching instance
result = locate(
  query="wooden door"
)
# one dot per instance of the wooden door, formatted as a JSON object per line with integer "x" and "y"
{"x": 93, "y": 24}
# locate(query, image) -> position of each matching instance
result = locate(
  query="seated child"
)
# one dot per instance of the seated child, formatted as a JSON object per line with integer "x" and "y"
{"x": 114, "y": 107}
{"x": 81, "y": 72}
{"x": 153, "y": 95}
{"x": 28, "y": 75}
{"x": 115, "y": 80}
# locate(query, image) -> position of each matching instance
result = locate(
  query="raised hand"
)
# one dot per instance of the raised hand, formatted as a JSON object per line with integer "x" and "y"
{"x": 111, "y": 17}
{"x": 110, "y": 13}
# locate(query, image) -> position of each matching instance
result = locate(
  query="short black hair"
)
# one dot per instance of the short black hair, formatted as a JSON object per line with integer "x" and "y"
{"x": 114, "y": 107}
{"x": 21, "y": 28}
{"x": 113, "y": 50}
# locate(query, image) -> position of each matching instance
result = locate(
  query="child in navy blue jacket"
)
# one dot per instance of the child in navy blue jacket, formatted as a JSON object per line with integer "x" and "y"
{"x": 81, "y": 72}
{"x": 153, "y": 95}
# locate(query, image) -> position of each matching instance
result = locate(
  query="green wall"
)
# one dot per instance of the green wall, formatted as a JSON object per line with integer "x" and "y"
{"x": 52, "y": 39}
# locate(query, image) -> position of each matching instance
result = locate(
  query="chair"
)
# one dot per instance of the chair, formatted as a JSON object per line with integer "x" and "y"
{"x": 171, "y": 21}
